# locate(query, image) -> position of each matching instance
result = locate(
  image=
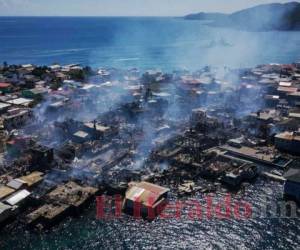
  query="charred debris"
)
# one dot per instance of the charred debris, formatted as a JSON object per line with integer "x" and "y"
{"x": 69, "y": 133}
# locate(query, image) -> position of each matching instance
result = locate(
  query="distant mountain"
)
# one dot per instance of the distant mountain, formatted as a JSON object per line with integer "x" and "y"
{"x": 263, "y": 17}
{"x": 207, "y": 16}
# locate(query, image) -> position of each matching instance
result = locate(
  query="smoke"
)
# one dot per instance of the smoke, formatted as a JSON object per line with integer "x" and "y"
{"x": 189, "y": 46}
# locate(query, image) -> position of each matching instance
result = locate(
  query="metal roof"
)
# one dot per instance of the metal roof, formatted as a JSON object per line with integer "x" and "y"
{"x": 4, "y": 105}
{"x": 4, "y": 207}
{"x": 144, "y": 192}
{"x": 81, "y": 134}
{"x": 18, "y": 197}
{"x": 293, "y": 174}
{"x": 16, "y": 183}
{"x": 287, "y": 89}
{"x": 20, "y": 101}
{"x": 99, "y": 127}
{"x": 289, "y": 136}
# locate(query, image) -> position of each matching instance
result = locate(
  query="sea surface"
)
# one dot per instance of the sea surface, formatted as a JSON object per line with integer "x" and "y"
{"x": 166, "y": 43}
{"x": 184, "y": 232}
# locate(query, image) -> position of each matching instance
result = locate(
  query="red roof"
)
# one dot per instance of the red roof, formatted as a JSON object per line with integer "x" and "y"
{"x": 287, "y": 89}
{"x": 4, "y": 85}
{"x": 287, "y": 66}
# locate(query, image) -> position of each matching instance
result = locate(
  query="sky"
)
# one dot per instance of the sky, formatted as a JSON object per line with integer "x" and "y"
{"x": 122, "y": 7}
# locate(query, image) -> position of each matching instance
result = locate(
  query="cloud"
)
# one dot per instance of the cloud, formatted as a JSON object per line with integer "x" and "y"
{"x": 13, "y": 3}
{"x": 15, "y": 7}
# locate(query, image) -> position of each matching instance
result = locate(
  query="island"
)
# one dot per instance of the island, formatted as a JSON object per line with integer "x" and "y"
{"x": 264, "y": 17}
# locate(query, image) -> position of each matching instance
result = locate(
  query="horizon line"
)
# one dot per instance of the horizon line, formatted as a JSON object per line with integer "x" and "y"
{"x": 104, "y": 16}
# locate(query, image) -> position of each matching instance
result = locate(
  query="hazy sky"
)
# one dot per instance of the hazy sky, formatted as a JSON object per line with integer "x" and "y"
{"x": 121, "y": 7}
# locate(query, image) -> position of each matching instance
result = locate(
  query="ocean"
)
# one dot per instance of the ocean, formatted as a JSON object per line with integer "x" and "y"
{"x": 165, "y": 43}
{"x": 151, "y": 43}
{"x": 87, "y": 232}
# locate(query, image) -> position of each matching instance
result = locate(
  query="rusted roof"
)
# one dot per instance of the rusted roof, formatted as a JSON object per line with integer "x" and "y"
{"x": 71, "y": 194}
{"x": 289, "y": 136}
{"x": 32, "y": 178}
{"x": 287, "y": 89}
{"x": 152, "y": 187}
{"x": 5, "y": 191}
{"x": 144, "y": 192}
{"x": 4, "y": 85}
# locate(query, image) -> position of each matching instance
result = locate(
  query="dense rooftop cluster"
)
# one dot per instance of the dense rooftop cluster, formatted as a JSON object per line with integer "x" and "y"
{"x": 70, "y": 132}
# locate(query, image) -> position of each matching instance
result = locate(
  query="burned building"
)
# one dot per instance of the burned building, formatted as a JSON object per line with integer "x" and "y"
{"x": 33, "y": 179}
{"x": 246, "y": 172}
{"x": 47, "y": 215}
{"x": 6, "y": 212}
{"x": 288, "y": 142}
{"x": 260, "y": 155}
{"x": 97, "y": 130}
{"x": 72, "y": 194}
{"x": 81, "y": 137}
{"x": 15, "y": 118}
{"x": 292, "y": 184}
{"x": 42, "y": 156}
